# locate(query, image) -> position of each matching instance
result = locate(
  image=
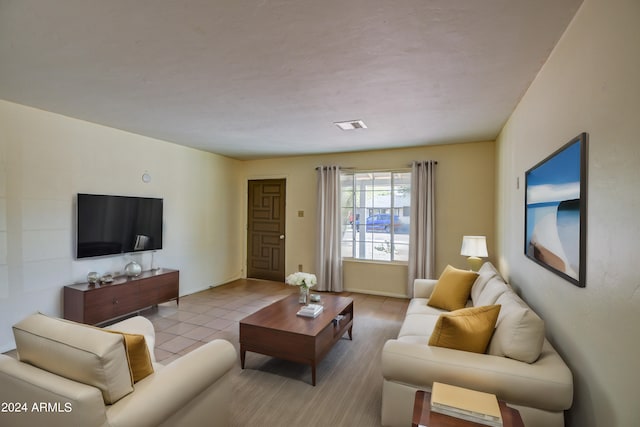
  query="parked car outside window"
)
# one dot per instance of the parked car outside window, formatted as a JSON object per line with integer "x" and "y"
{"x": 382, "y": 222}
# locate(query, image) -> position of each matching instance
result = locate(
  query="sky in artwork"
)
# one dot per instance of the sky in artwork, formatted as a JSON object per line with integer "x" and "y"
{"x": 557, "y": 179}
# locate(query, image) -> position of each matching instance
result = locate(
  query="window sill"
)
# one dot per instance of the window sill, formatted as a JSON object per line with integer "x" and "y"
{"x": 373, "y": 261}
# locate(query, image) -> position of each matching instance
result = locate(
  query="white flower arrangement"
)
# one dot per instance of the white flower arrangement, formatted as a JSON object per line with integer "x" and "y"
{"x": 307, "y": 280}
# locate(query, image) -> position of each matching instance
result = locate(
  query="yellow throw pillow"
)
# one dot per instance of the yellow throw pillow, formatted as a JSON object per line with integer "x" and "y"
{"x": 467, "y": 329}
{"x": 453, "y": 289}
{"x": 138, "y": 356}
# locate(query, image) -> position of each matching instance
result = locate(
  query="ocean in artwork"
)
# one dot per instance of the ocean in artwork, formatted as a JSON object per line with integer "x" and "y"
{"x": 553, "y": 234}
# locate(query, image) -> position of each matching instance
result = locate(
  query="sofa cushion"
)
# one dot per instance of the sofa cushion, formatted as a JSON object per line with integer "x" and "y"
{"x": 467, "y": 329}
{"x": 488, "y": 268}
{"x": 484, "y": 275}
{"x": 419, "y": 306}
{"x": 78, "y": 352}
{"x": 519, "y": 331}
{"x": 453, "y": 289}
{"x": 418, "y": 325}
{"x": 138, "y": 358}
{"x": 491, "y": 291}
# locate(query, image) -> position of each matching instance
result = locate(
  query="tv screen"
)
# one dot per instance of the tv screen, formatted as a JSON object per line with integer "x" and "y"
{"x": 108, "y": 225}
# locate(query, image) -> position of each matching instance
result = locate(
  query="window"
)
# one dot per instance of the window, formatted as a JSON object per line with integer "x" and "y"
{"x": 375, "y": 215}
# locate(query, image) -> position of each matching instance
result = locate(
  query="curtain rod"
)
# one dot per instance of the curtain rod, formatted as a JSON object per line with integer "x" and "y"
{"x": 347, "y": 168}
{"x": 341, "y": 167}
{"x": 435, "y": 162}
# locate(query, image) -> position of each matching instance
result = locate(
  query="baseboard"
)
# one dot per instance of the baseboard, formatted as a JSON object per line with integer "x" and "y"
{"x": 377, "y": 293}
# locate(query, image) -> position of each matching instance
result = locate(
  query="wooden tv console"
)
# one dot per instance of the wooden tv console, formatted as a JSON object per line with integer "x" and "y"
{"x": 95, "y": 304}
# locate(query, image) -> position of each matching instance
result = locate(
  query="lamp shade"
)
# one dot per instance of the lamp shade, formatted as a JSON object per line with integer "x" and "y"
{"x": 475, "y": 246}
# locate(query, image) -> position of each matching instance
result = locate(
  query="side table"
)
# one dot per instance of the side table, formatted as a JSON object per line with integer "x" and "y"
{"x": 422, "y": 415}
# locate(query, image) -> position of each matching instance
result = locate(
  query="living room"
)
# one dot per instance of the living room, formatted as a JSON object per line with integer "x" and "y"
{"x": 587, "y": 84}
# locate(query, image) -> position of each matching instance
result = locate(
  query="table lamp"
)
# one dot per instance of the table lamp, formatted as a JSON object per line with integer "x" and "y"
{"x": 474, "y": 247}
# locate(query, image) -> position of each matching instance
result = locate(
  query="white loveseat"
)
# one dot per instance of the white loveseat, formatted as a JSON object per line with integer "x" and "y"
{"x": 70, "y": 374}
{"x": 520, "y": 366}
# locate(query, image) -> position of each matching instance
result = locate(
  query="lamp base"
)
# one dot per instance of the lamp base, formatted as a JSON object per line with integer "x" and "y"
{"x": 474, "y": 263}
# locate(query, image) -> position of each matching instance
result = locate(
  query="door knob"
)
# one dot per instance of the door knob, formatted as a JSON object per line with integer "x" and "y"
{"x": 282, "y": 237}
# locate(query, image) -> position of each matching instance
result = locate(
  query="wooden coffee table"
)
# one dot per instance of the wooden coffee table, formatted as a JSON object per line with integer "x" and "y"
{"x": 277, "y": 331}
{"x": 422, "y": 415}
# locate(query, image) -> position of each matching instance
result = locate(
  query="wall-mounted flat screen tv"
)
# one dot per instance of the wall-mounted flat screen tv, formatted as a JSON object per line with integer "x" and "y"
{"x": 110, "y": 225}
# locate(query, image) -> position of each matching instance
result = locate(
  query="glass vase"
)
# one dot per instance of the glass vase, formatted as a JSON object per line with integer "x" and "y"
{"x": 304, "y": 295}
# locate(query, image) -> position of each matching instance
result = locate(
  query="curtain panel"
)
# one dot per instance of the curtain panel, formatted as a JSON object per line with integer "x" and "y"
{"x": 329, "y": 230}
{"x": 422, "y": 228}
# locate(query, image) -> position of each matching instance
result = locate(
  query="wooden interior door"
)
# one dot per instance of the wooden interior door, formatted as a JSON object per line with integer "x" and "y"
{"x": 266, "y": 225}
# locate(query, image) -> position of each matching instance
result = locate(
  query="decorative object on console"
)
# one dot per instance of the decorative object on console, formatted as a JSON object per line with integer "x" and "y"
{"x": 132, "y": 269}
{"x": 304, "y": 281}
{"x": 107, "y": 278}
{"x": 474, "y": 247}
{"x": 556, "y": 209}
{"x": 93, "y": 277}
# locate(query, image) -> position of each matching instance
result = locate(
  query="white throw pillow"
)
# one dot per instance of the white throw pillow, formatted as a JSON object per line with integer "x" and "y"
{"x": 491, "y": 291}
{"x": 519, "y": 331}
{"x": 480, "y": 283}
{"x": 487, "y": 267}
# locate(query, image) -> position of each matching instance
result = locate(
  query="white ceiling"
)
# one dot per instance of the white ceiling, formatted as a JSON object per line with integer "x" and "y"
{"x": 266, "y": 78}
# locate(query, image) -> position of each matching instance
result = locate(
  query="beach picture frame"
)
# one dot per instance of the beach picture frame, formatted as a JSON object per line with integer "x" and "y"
{"x": 555, "y": 211}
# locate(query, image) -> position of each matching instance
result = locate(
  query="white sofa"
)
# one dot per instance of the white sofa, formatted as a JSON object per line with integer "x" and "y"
{"x": 520, "y": 366}
{"x": 70, "y": 374}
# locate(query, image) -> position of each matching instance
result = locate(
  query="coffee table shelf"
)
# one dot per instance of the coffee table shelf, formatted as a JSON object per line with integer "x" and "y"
{"x": 277, "y": 331}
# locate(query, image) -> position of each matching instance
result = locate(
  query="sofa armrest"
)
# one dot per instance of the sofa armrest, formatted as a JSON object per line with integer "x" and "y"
{"x": 422, "y": 288}
{"x": 161, "y": 395}
{"x": 546, "y": 384}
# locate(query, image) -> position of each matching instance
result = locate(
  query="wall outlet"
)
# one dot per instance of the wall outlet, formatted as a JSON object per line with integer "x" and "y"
{"x": 299, "y": 267}
{"x": 300, "y": 214}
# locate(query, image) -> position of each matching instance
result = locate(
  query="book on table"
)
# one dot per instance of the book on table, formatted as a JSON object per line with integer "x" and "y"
{"x": 311, "y": 310}
{"x": 471, "y": 405}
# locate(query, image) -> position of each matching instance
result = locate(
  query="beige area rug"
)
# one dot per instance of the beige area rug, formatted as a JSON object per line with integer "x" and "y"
{"x": 272, "y": 392}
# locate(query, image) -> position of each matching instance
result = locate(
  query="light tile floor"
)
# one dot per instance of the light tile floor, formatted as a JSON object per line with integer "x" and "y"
{"x": 216, "y": 312}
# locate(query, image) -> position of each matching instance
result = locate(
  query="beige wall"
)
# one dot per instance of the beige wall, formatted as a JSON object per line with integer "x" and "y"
{"x": 45, "y": 159}
{"x": 590, "y": 83}
{"x": 465, "y": 205}
{"x": 376, "y": 278}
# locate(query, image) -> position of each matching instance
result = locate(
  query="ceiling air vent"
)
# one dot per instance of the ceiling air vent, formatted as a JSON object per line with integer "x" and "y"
{"x": 351, "y": 125}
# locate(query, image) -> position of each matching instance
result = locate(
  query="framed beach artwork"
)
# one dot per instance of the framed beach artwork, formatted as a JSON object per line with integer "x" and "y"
{"x": 555, "y": 211}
